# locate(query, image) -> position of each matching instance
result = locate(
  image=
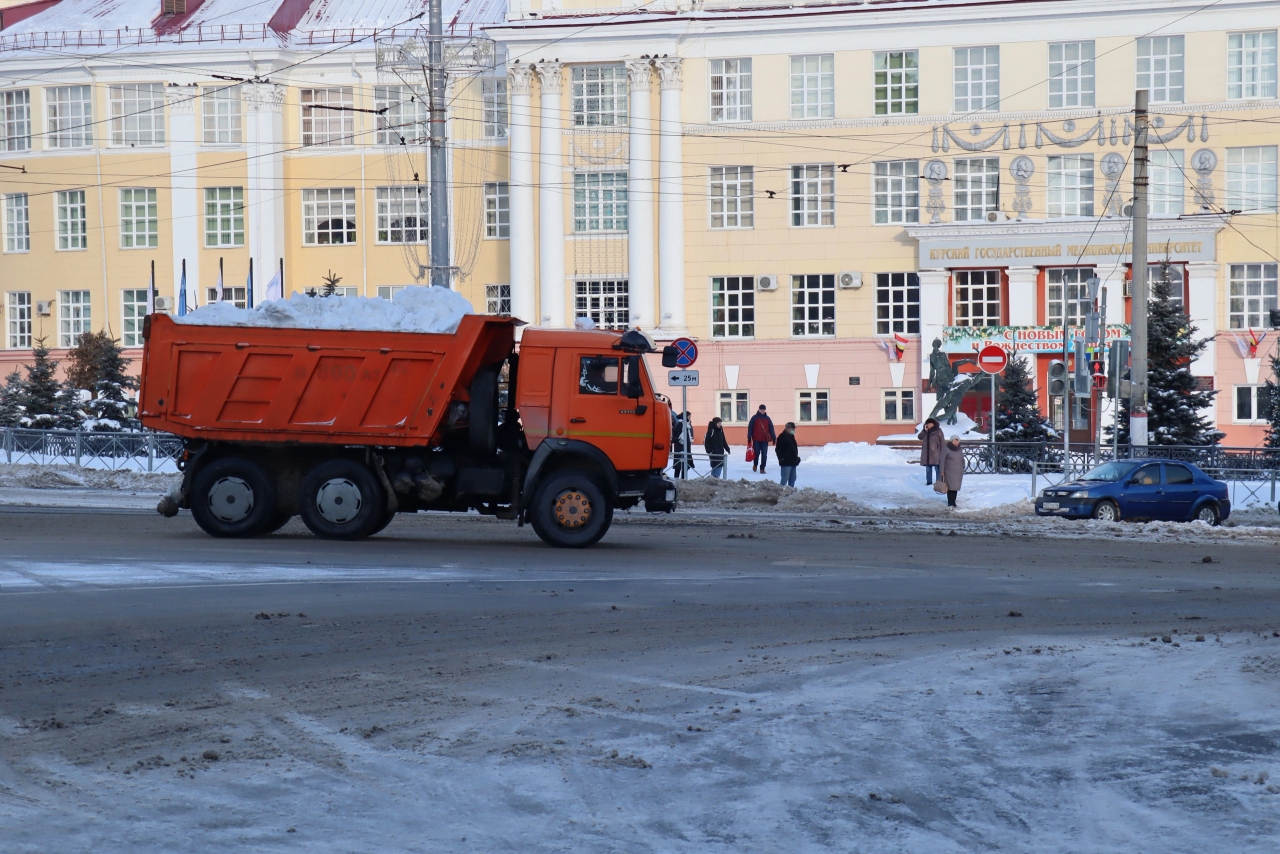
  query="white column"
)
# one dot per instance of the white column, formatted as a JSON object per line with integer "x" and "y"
{"x": 551, "y": 190}
{"x": 1022, "y": 296}
{"x": 1113, "y": 280}
{"x": 264, "y": 144}
{"x": 1202, "y": 308}
{"x": 520, "y": 184}
{"x": 933, "y": 317}
{"x": 183, "y": 190}
{"x": 640, "y": 199}
{"x": 670, "y": 201}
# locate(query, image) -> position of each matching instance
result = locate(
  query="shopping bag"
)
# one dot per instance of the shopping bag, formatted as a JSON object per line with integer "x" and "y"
{"x": 940, "y": 485}
{"x": 751, "y": 454}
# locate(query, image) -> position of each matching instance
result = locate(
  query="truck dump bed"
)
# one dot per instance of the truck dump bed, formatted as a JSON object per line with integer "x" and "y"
{"x": 328, "y": 386}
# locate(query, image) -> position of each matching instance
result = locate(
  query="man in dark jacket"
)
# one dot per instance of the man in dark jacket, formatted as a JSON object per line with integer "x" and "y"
{"x": 716, "y": 446}
{"x": 788, "y": 454}
{"x": 760, "y": 434}
{"x": 931, "y": 442}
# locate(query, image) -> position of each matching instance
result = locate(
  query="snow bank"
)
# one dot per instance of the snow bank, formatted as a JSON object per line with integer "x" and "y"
{"x": 858, "y": 454}
{"x": 414, "y": 309}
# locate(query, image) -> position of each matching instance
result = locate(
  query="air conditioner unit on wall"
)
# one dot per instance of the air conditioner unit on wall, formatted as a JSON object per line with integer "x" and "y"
{"x": 43, "y": 309}
{"x": 767, "y": 282}
{"x": 164, "y": 303}
{"x": 849, "y": 281}
{"x": 1128, "y": 287}
{"x": 996, "y": 216}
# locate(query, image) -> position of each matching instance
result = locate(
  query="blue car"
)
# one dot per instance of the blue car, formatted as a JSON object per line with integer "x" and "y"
{"x": 1169, "y": 490}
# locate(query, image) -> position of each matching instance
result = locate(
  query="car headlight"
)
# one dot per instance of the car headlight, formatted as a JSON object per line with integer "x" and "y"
{"x": 1079, "y": 493}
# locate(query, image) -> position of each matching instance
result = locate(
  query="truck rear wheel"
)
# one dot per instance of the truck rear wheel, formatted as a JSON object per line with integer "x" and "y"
{"x": 233, "y": 497}
{"x": 570, "y": 509}
{"x": 341, "y": 500}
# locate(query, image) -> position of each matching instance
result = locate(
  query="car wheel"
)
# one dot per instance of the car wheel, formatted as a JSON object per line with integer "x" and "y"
{"x": 1106, "y": 511}
{"x": 342, "y": 500}
{"x": 1208, "y": 513}
{"x": 570, "y": 510}
{"x": 233, "y": 497}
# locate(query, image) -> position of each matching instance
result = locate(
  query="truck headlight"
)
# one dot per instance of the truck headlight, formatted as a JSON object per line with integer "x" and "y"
{"x": 671, "y": 495}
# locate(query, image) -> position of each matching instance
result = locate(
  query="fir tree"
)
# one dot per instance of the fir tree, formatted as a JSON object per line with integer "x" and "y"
{"x": 47, "y": 402}
{"x": 110, "y": 407}
{"x": 1175, "y": 406}
{"x": 82, "y": 370}
{"x": 1018, "y": 417}
{"x": 11, "y": 396}
{"x": 1273, "y": 403}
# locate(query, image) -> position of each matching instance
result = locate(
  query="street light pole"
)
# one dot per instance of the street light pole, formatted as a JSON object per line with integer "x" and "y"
{"x": 1138, "y": 375}
{"x": 439, "y": 200}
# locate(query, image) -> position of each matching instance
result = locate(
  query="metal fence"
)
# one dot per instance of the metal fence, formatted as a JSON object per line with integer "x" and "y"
{"x": 1045, "y": 457}
{"x": 140, "y": 451}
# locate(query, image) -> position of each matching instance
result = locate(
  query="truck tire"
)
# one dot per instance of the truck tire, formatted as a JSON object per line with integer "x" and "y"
{"x": 233, "y": 497}
{"x": 341, "y": 500}
{"x": 484, "y": 412}
{"x": 570, "y": 510}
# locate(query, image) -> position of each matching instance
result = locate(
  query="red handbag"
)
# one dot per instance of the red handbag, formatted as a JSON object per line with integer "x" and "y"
{"x": 751, "y": 454}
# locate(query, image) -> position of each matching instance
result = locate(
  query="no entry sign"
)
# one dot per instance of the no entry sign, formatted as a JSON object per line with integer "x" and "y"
{"x": 992, "y": 359}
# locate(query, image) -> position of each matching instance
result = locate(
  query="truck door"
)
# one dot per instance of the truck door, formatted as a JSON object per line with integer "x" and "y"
{"x": 601, "y": 412}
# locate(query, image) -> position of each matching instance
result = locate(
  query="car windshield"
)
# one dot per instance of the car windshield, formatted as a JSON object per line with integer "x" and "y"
{"x": 1110, "y": 471}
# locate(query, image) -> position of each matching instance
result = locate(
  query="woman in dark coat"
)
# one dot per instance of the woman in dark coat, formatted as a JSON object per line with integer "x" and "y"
{"x": 952, "y": 468}
{"x": 716, "y": 446}
{"x": 931, "y": 442}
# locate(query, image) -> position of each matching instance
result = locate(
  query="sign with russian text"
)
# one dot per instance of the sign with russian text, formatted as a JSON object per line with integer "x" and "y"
{"x": 1016, "y": 339}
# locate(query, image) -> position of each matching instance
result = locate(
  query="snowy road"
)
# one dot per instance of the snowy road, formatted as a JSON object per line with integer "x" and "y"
{"x": 454, "y": 686}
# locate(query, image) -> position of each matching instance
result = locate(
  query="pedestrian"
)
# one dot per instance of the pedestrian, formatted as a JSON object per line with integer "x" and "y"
{"x": 952, "y": 469}
{"x": 788, "y": 454}
{"x": 681, "y": 454}
{"x": 716, "y": 446}
{"x": 931, "y": 442}
{"x": 760, "y": 434}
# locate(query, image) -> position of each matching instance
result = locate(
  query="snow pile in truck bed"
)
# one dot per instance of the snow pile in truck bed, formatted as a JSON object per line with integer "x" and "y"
{"x": 414, "y": 309}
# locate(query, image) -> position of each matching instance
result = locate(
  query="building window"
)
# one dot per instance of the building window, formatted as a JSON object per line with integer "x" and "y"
{"x": 17, "y": 120}
{"x": 599, "y": 201}
{"x": 137, "y": 114}
{"x": 74, "y": 317}
{"x": 977, "y": 79}
{"x": 1067, "y": 289}
{"x": 813, "y": 86}
{"x": 327, "y": 117}
{"x": 1177, "y": 278}
{"x": 896, "y": 191}
{"x": 977, "y": 298}
{"x": 897, "y": 83}
{"x": 1251, "y": 178}
{"x": 599, "y": 95}
{"x": 1253, "y": 404}
{"x": 139, "y": 219}
{"x": 977, "y": 187}
{"x": 70, "y": 113}
{"x": 1251, "y": 65}
{"x": 732, "y": 198}
{"x": 735, "y": 406}
{"x": 406, "y": 116}
{"x": 73, "y": 220}
{"x": 493, "y": 92}
{"x": 18, "y": 314}
{"x": 605, "y": 302}
{"x": 733, "y": 306}
{"x": 230, "y": 295}
{"x": 389, "y": 291}
{"x": 497, "y": 299}
{"x": 17, "y": 223}
{"x": 813, "y": 195}
{"x": 1071, "y": 185}
{"x": 813, "y": 305}
{"x": 133, "y": 310}
{"x": 1160, "y": 68}
{"x": 1252, "y": 295}
{"x": 223, "y": 216}
{"x": 328, "y": 216}
{"x": 1166, "y": 177}
{"x": 401, "y": 213}
{"x": 497, "y": 210}
{"x": 222, "y": 115}
{"x": 897, "y": 303}
{"x": 899, "y": 405}
{"x": 813, "y": 406}
{"x": 730, "y": 90}
{"x": 1071, "y": 75}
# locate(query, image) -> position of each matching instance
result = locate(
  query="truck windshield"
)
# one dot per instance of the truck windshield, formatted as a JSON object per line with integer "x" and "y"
{"x": 1110, "y": 471}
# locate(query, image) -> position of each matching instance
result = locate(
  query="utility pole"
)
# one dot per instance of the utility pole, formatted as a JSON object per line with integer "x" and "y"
{"x": 1138, "y": 375}
{"x": 440, "y": 268}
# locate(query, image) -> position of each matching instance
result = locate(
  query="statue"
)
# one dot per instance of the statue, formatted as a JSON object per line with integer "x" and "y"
{"x": 949, "y": 384}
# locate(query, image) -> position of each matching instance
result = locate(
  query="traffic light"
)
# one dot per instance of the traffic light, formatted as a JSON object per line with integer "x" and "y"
{"x": 1081, "y": 382}
{"x": 1274, "y": 315}
{"x": 1117, "y": 366}
{"x": 1057, "y": 378}
{"x": 1098, "y": 371}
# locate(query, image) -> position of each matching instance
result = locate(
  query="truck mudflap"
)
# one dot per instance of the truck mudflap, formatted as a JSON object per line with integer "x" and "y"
{"x": 660, "y": 494}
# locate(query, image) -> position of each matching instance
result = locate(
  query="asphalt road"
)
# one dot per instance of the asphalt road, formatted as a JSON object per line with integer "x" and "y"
{"x": 131, "y": 646}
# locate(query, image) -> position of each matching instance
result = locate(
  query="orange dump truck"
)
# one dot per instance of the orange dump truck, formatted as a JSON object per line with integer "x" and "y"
{"x": 347, "y": 428}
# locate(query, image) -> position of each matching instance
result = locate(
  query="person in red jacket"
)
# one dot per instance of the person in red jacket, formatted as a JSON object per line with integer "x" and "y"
{"x": 760, "y": 434}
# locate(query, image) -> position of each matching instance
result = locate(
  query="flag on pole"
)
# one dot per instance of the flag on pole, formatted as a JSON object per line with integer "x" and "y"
{"x": 248, "y": 286}
{"x": 217, "y": 292}
{"x": 151, "y": 290}
{"x": 273, "y": 289}
{"x": 182, "y": 291}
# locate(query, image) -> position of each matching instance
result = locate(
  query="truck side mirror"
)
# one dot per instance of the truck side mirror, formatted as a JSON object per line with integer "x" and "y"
{"x": 669, "y": 356}
{"x": 631, "y": 386}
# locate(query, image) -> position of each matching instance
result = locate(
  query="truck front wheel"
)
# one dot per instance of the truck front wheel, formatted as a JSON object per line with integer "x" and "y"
{"x": 570, "y": 509}
{"x": 233, "y": 497}
{"x": 341, "y": 500}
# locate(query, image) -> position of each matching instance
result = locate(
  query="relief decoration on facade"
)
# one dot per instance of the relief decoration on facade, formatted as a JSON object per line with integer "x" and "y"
{"x": 935, "y": 172}
{"x": 944, "y": 136}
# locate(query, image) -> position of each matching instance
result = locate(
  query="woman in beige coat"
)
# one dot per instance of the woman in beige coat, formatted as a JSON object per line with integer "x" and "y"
{"x": 952, "y": 466}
